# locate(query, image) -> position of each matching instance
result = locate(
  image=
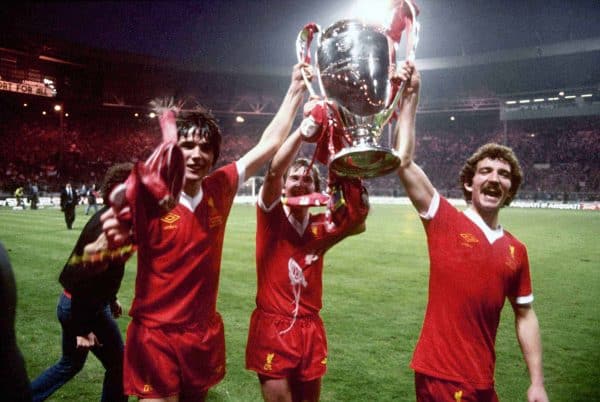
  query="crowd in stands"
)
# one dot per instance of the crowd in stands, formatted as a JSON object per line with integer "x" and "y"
{"x": 560, "y": 157}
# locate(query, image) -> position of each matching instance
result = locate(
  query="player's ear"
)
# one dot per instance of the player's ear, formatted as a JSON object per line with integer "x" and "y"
{"x": 468, "y": 186}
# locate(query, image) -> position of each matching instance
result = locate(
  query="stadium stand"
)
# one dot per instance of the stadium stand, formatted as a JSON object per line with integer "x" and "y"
{"x": 104, "y": 119}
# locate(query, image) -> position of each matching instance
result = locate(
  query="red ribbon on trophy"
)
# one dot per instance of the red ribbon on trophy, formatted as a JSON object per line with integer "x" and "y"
{"x": 322, "y": 125}
{"x": 402, "y": 20}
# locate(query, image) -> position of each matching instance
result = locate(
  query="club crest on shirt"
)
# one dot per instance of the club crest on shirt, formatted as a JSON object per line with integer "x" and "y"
{"x": 468, "y": 240}
{"x": 458, "y": 396}
{"x": 269, "y": 362}
{"x": 214, "y": 217}
{"x": 511, "y": 262}
{"x": 147, "y": 388}
{"x": 169, "y": 221}
{"x": 219, "y": 369}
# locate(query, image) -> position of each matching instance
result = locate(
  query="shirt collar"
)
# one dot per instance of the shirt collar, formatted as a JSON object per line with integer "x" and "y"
{"x": 491, "y": 234}
{"x": 191, "y": 202}
{"x": 300, "y": 227}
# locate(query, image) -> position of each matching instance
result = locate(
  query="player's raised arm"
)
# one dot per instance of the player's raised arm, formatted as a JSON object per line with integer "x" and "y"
{"x": 415, "y": 181}
{"x": 271, "y": 189}
{"x": 280, "y": 126}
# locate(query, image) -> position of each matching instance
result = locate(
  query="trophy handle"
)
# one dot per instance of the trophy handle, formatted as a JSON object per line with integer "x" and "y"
{"x": 413, "y": 29}
{"x": 303, "y": 43}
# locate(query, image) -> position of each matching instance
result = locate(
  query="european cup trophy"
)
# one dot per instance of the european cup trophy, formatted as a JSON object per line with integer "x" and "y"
{"x": 354, "y": 61}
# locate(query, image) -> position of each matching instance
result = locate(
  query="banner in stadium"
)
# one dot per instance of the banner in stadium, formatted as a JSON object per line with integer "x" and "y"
{"x": 27, "y": 87}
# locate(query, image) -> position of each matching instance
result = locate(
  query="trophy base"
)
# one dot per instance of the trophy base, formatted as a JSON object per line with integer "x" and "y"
{"x": 364, "y": 161}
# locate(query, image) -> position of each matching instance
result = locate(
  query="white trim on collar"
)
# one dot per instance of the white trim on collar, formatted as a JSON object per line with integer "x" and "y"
{"x": 300, "y": 227}
{"x": 191, "y": 202}
{"x": 491, "y": 234}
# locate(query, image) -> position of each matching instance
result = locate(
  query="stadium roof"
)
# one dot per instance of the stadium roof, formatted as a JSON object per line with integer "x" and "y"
{"x": 510, "y": 45}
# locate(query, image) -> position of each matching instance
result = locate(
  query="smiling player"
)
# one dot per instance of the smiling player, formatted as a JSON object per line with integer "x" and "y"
{"x": 474, "y": 266}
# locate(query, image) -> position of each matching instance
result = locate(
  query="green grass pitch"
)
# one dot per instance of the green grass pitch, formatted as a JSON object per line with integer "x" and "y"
{"x": 375, "y": 293}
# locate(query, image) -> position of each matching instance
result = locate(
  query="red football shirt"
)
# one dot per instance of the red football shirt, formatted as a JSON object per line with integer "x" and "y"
{"x": 179, "y": 257}
{"x": 276, "y": 242}
{"x": 469, "y": 281}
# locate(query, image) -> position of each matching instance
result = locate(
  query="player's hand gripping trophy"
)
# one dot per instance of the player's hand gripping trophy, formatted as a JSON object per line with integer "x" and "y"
{"x": 355, "y": 65}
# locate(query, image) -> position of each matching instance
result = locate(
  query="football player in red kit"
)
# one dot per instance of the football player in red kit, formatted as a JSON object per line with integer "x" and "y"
{"x": 475, "y": 264}
{"x": 175, "y": 346}
{"x": 287, "y": 345}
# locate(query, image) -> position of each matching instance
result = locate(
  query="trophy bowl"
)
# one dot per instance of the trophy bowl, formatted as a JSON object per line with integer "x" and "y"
{"x": 353, "y": 64}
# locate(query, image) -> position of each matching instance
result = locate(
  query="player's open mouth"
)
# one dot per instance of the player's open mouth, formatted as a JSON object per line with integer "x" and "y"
{"x": 298, "y": 191}
{"x": 492, "y": 191}
{"x": 195, "y": 168}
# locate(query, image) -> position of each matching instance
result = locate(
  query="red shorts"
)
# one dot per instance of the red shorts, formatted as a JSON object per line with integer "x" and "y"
{"x": 431, "y": 389}
{"x": 300, "y": 353}
{"x": 166, "y": 361}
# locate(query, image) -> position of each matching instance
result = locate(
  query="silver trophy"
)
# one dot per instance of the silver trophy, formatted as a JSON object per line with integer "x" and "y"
{"x": 353, "y": 64}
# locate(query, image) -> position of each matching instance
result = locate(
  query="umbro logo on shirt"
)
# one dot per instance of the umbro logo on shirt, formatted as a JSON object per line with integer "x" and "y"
{"x": 468, "y": 239}
{"x": 510, "y": 261}
{"x": 169, "y": 221}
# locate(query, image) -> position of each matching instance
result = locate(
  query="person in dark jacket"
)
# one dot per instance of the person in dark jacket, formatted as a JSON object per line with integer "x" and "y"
{"x": 69, "y": 198}
{"x": 87, "y": 308}
{"x": 14, "y": 382}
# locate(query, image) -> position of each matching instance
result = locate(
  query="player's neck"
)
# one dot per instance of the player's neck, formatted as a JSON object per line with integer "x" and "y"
{"x": 192, "y": 187}
{"x": 299, "y": 213}
{"x": 489, "y": 217}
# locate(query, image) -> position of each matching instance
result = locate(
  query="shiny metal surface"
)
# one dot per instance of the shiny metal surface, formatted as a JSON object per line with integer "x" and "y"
{"x": 353, "y": 60}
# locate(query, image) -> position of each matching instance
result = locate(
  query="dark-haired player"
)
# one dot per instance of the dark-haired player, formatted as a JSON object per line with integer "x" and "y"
{"x": 175, "y": 347}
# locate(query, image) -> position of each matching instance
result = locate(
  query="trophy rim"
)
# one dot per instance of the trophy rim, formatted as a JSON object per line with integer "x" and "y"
{"x": 353, "y": 21}
{"x": 386, "y": 161}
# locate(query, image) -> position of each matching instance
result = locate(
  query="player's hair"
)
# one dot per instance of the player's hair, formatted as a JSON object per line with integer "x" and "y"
{"x": 303, "y": 162}
{"x": 492, "y": 151}
{"x": 199, "y": 121}
{"x": 116, "y": 174}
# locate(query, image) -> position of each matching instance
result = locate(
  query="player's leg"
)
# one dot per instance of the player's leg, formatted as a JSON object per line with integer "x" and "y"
{"x": 306, "y": 391}
{"x": 275, "y": 389}
{"x": 110, "y": 355}
{"x": 71, "y": 361}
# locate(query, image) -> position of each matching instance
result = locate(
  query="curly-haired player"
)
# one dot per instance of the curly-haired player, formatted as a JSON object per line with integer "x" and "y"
{"x": 475, "y": 264}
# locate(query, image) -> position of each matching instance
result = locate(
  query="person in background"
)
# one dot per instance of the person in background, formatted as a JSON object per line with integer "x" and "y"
{"x": 68, "y": 202}
{"x": 14, "y": 382}
{"x": 34, "y": 195}
{"x": 87, "y": 309}
{"x": 83, "y": 190}
{"x": 19, "y": 193}
{"x": 92, "y": 202}
{"x": 475, "y": 265}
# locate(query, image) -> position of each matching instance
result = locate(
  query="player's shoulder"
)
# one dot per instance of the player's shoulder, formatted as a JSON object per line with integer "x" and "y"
{"x": 224, "y": 172}
{"x": 513, "y": 239}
